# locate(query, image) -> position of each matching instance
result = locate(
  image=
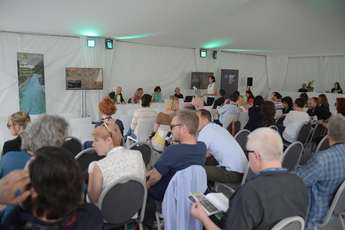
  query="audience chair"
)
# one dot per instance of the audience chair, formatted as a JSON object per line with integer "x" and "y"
{"x": 323, "y": 144}
{"x": 145, "y": 150}
{"x": 318, "y": 132}
{"x": 290, "y": 223}
{"x": 144, "y": 129}
{"x": 84, "y": 159}
{"x": 304, "y": 133}
{"x": 229, "y": 189}
{"x": 241, "y": 138}
{"x": 334, "y": 219}
{"x": 123, "y": 203}
{"x": 234, "y": 127}
{"x": 176, "y": 205}
{"x": 292, "y": 155}
{"x": 73, "y": 145}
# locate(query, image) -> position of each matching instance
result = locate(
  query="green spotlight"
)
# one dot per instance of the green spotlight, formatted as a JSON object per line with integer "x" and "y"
{"x": 108, "y": 43}
{"x": 91, "y": 42}
{"x": 203, "y": 53}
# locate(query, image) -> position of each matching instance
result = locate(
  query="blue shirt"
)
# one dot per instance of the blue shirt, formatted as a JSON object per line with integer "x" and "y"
{"x": 323, "y": 175}
{"x": 175, "y": 158}
{"x": 12, "y": 161}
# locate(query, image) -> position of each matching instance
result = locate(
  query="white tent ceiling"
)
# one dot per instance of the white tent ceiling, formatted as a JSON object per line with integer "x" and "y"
{"x": 261, "y": 26}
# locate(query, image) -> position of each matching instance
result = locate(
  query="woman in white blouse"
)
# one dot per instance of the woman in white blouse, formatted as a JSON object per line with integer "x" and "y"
{"x": 118, "y": 163}
{"x": 211, "y": 90}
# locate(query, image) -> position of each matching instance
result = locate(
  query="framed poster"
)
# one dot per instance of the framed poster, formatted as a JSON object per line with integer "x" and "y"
{"x": 31, "y": 83}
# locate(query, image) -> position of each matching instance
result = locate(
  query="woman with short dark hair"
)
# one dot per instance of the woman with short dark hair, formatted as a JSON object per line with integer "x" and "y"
{"x": 56, "y": 196}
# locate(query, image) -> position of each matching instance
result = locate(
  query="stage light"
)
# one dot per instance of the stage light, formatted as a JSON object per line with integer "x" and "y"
{"x": 91, "y": 42}
{"x": 203, "y": 53}
{"x": 108, "y": 43}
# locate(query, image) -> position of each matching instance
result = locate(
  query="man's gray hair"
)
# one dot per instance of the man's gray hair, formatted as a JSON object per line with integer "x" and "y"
{"x": 266, "y": 142}
{"x": 47, "y": 130}
{"x": 336, "y": 128}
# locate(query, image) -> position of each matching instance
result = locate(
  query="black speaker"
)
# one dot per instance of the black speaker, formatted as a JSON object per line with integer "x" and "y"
{"x": 249, "y": 81}
{"x": 214, "y": 54}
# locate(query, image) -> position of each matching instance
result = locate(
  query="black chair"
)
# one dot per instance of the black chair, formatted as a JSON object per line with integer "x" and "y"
{"x": 241, "y": 138}
{"x": 145, "y": 150}
{"x": 73, "y": 145}
{"x": 120, "y": 202}
{"x": 234, "y": 127}
{"x": 304, "y": 133}
{"x": 323, "y": 144}
{"x": 333, "y": 218}
{"x": 84, "y": 159}
{"x": 292, "y": 155}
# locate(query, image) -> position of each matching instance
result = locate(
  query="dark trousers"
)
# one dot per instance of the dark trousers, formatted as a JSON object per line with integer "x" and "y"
{"x": 220, "y": 174}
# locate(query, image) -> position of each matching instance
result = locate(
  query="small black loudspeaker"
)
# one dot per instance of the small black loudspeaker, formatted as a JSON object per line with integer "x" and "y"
{"x": 249, "y": 81}
{"x": 214, "y": 54}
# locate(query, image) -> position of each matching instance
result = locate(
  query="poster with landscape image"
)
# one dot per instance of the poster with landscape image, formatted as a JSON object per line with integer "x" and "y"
{"x": 31, "y": 83}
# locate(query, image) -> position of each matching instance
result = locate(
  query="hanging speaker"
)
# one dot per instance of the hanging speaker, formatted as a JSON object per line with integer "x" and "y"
{"x": 249, "y": 81}
{"x": 214, "y": 54}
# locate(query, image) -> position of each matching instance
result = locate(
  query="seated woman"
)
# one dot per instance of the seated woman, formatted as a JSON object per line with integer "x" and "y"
{"x": 268, "y": 111}
{"x": 116, "y": 95}
{"x": 337, "y": 88}
{"x": 287, "y": 104}
{"x": 255, "y": 114}
{"x": 250, "y": 97}
{"x": 107, "y": 108}
{"x": 118, "y": 163}
{"x": 165, "y": 117}
{"x": 157, "y": 95}
{"x": 340, "y": 105}
{"x": 16, "y": 123}
{"x": 137, "y": 96}
{"x": 56, "y": 196}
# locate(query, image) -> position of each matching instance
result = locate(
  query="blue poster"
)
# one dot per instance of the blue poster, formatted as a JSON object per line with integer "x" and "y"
{"x": 31, "y": 83}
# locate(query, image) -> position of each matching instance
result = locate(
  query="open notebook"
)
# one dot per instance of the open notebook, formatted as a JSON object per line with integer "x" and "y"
{"x": 212, "y": 202}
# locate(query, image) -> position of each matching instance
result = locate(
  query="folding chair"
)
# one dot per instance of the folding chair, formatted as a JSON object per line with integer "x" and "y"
{"x": 290, "y": 223}
{"x": 323, "y": 144}
{"x": 123, "y": 203}
{"x": 84, "y": 159}
{"x": 334, "y": 219}
{"x": 292, "y": 155}
{"x": 145, "y": 150}
{"x": 73, "y": 144}
{"x": 241, "y": 138}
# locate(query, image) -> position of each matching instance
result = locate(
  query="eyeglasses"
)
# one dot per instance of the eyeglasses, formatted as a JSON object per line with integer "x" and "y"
{"x": 107, "y": 128}
{"x": 175, "y": 125}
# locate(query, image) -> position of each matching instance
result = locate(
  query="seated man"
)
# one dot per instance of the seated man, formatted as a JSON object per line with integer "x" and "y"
{"x": 232, "y": 161}
{"x": 294, "y": 121}
{"x": 176, "y": 157}
{"x": 272, "y": 195}
{"x": 325, "y": 171}
{"x": 229, "y": 112}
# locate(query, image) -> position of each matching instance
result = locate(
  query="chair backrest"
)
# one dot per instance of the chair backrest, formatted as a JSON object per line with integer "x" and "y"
{"x": 119, "y": 202}
{"x": 84, "y": 159}
{"x": 290, "y": 223}
{"x": 241, "y": 137}
{"x": 234, "y": 127}
{"x": 292, "y": 155}
{"x": 176, "y": 205}
{"x": 144, "y": 129}
{"x": 337, "y": 206}
{"x": 323, "y": 144}
{"x": 304, "y": 133}
{"x": 145, "y": 150}
{"x": 73, "y": 144}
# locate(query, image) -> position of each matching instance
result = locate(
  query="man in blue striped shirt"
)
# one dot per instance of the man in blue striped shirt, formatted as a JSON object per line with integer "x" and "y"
{"x": 324, "y": 172}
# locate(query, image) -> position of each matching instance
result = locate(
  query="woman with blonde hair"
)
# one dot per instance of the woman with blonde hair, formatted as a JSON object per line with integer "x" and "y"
{"x": 16, "y": 123}
{"x": 165, "y": 117}
{"x": 137, "y": 95}
{"x": 118, "y": 162}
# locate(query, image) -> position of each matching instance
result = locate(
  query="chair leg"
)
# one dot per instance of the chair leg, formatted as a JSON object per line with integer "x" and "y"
{"x": 341, "y": 220}
{"x": 159, "y": 226}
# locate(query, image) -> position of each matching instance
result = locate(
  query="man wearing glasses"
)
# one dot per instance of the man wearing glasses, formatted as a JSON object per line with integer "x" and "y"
{"x": 176, "y": 157}
{"x": 272, "y": 195}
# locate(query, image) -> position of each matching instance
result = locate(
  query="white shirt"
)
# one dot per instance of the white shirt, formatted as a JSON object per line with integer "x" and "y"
{"x": 120, "y": 163}
{"x": 211, "y": 89}
{"x": 223, "y": 147}
{"x": 293, "y": 123}
{"x": 145, "y": 113}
